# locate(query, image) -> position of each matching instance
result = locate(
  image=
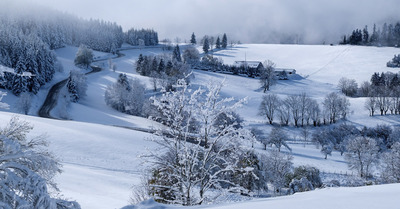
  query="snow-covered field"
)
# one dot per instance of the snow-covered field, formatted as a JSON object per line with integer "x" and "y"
{"x": 100, "y": 157}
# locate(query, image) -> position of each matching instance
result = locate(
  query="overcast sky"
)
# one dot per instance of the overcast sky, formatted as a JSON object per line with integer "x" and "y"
{"x": 253, "y": 21}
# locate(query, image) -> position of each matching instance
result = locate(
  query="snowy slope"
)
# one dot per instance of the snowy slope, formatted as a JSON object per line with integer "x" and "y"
{"x": 100, "y": 159}
{"x": 370, "y": 197}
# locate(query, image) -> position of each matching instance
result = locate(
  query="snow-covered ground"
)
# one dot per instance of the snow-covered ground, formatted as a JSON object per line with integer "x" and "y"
{"x": 100, "y": 156}
{"x": 370, "y": 197}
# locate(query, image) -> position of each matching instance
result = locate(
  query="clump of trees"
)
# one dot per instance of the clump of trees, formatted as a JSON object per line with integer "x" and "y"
{"x": 303, "y": 110}
{"x": 27, "y": 170}
{"x": 384, "y": 94}
{"x": 349, "y": 87}
{"x": 76, "y": 85}
{"x": 166, "y": 70}
{"x": 364, "y": 149}
{"x": 126, "y": 95}
{"x": 208, "y": 42}
{"x": 395, "y": 62}
{"x": 142, "y": 37}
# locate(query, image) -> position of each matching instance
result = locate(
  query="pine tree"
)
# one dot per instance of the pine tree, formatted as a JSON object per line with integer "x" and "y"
{"x": 139, "y": 64}
{"x": 73, "y": 93}
{"x": 161, "y": 66}
{"x": 19, "y": 85}
{"x": 365, "y": 37}
{"x": 176, "y": 55}
{"x": 218, "y": 43}
{"x": 206, "y": 45}
{"x": 224, "y": 41}
{"x": 193, "y": 39}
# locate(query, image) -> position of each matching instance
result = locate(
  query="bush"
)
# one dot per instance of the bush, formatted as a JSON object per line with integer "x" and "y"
{"x": 310, "y": 173}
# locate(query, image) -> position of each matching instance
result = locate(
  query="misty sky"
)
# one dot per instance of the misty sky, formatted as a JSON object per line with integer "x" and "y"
{"x": 250, "y": 21}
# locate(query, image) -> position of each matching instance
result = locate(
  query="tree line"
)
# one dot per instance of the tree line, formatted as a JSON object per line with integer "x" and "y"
{"x": 303, "y": 110}
{"x": 387, "y": 35}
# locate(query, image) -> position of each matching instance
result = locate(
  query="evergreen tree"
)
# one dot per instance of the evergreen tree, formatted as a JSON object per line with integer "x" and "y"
{"x": 154, "y": 65}
{"x": 206, "y": 45}
{"x": 224, "y": 41}
{"x": 123, "y": 81}
{"x": 193, "y": 39}
{"x": 375, "y": 79}
{"x": 176, "y": 54}
{"x": 218, "y": 43}
{"x": 139, "y": 63}
{"x": 374, "y": 36}
{"x": 73, "y": 93}
{"x": 161, "y": 66}
{"x": 365, "y": 37}
{"x": 19, "y": 85}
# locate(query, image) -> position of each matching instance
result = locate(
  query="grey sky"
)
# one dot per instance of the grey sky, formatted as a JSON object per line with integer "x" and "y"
{"x": 244, "y": 20}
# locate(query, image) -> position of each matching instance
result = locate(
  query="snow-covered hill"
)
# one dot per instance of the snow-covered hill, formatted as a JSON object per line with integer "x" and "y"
{"x": 100, "y": 156}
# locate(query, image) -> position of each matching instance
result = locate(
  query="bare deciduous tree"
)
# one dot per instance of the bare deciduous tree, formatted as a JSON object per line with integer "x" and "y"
{"x": 267, "y": 75}
{"x": 269, "y": 106}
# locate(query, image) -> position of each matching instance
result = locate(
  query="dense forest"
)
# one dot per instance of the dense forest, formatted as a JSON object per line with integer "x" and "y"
{"x": 27, "y": 39}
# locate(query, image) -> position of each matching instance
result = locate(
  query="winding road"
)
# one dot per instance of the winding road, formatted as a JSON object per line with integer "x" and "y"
{"x": 51, "y": 99}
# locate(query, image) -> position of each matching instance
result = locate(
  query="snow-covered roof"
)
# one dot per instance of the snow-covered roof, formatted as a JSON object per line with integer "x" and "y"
{"x": 251, "y": 64}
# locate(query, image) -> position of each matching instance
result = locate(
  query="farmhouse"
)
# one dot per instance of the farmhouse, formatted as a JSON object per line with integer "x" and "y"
{"x": 249, "y": 64}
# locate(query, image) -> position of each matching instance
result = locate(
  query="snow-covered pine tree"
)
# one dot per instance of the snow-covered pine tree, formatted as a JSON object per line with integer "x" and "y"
{"x": 72, "y": 90}
{"x": 176, "y": 54}
{"x": 206, "y": 45}
{"x": 224, "y": 41}
{"x": 139, "y": 62}
{"x": 218, "y": 43}
{"x": 193, "y": 39}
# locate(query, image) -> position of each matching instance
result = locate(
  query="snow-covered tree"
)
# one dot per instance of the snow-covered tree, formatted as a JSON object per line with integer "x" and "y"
{"x": 278, "y": 138}
{"x": 76, "y": 85}
{"x": 336, "y": 107}
{"x": 126, "y": 95}
{"x": 293, "y": 102}
{"x": 267, "y": 75}
{"x": 269, "y": 106}
{"x": 224, "y": 43}
{"x": 391, "y": 164}
{"x": 191, "y": 56}
{"x": 362, "y": 155}
{"x": 193, "y": 39}
{"x": 84, "y": 57}
{"x": 276, "y": 167}
{"x": 218, "y": 43}
{"x": 348, "y": 87}
{"x": 186, "y": 167}
{"x": 27, "y": 170}
{"x": 206, "y": 45}
{"x": 176, "y": 54}
{"x": 370, "y": 105}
